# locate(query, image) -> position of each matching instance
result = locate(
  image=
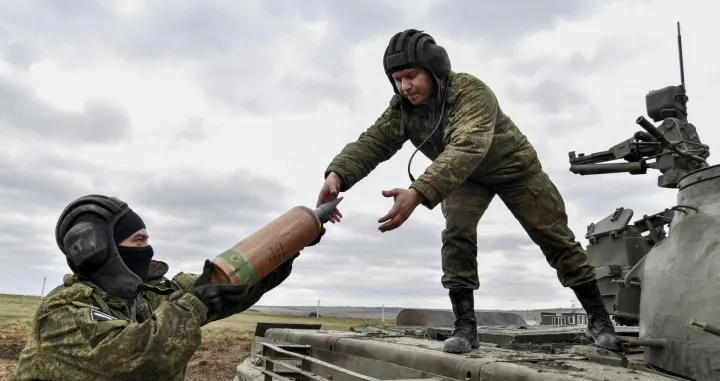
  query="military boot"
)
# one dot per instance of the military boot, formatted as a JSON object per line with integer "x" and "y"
{"x": 464, "y": 336}
{"x": 599, "y": 327}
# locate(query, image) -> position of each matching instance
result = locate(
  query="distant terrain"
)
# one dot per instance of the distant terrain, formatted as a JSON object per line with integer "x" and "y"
{"x": 390, "y": 313}
{"x": 354, "y": 312}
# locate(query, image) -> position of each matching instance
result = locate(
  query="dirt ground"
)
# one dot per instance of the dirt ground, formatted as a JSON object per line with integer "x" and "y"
{"x": 11, "y": 343}
{"x": 216, "y": 358}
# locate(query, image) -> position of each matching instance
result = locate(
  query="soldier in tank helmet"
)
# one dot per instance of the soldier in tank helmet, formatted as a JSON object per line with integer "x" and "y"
{"x": 117, "y": 317}
{"x": 477, "y": 153}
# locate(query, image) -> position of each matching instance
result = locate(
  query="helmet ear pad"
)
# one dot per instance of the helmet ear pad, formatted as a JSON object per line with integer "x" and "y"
{"x": 84, "y": 231}
{"x": 87, "y": 244}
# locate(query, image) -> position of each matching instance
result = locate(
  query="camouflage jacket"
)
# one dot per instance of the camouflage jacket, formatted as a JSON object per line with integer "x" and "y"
{"x": 476, "y": 140}
{"x": 80, "y": 333}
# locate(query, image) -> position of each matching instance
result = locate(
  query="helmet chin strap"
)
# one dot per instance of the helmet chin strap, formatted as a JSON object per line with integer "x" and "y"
{"x": 437, "y": 125}
{"x": 415, "y": 48}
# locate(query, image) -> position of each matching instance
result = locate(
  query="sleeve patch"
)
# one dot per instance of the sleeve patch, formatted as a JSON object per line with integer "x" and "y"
{"x": 97, "y": 315}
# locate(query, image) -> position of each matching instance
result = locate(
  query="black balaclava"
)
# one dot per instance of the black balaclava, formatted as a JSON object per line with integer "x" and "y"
{"x": 137, "y": 259}
{"x": 414, "y": 48}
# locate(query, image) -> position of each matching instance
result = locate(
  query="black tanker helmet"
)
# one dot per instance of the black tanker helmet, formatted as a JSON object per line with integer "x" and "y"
{"x": 414, "y": 48}
{"x": 85, "y": 234}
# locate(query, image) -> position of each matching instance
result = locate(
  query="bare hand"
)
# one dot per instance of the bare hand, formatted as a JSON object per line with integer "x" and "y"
{"x": 406, "y": 200}
{"x": 329, "y": 192}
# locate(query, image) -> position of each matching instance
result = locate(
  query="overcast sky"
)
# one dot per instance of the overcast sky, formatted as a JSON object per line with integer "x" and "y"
{"x": 210, "y": 118}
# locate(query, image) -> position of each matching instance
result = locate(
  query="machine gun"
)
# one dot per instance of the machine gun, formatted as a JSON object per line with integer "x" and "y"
{"x": 674, "y": 145}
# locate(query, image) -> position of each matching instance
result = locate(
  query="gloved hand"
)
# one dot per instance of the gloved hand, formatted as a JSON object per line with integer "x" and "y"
{"x": 218, "y": 297}
{"x": 317, "y": 240}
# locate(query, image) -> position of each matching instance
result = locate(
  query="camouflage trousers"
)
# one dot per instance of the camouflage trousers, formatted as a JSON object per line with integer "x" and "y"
{"x": 536, "y": 203}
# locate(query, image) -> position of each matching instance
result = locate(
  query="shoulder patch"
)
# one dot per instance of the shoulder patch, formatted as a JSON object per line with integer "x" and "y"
{"x": 97, "y": 315}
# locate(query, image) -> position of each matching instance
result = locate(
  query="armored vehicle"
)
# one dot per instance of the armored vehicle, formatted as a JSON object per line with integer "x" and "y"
{"x": 659, "y": 277}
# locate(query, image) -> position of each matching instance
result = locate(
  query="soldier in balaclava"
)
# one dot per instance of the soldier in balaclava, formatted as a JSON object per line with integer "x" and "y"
{"x": 477, "y": 153}
{"x": 114, "y": 319}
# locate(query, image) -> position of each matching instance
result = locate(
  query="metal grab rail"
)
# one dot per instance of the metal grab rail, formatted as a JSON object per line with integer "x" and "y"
{"x": 271, "y": 355}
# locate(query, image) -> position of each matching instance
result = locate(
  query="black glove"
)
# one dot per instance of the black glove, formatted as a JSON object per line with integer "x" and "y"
{"x": 317, "y": 240}
{"x": 218, "y": 297}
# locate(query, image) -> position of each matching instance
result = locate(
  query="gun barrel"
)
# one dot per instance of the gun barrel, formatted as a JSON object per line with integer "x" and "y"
{"x": 592, "y": 158}
{"x": 651, "y": 129}
{"x": 599, "y": 169}
{"x": 643, "y": 136}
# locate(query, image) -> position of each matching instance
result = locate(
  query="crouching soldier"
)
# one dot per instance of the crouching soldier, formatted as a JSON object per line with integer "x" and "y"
{"x": 108, "y": 320}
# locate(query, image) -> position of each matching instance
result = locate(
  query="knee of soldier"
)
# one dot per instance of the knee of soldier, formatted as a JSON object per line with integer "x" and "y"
{"x": 461, "y": 224}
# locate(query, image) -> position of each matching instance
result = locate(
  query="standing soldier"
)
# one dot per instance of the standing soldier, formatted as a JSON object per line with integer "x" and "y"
{"x": 477, "y": 152}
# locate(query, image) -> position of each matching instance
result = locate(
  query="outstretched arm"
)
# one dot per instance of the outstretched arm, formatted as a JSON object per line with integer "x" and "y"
{"x": 470, "y": 127}
{"x": 377, "y": 144}
{"x": 237, "y": 302}
{"x": 186, "y": 282}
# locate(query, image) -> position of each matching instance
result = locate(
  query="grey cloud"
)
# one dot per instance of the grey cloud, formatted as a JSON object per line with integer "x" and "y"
{"x": 502, "y": 23}
{"x": 549, "y": 96}
{"x": 554, "y": 94}
{"x": 39, "y": 182}
{"x": 15, "y": 53}
{"x": 568, "y": 107}
{"x": 609, "y": 53}
{"x": 515, "y": 281}
{"x": 17, "y": 228}
{"x": 349, "y": 23}
{"x": 26, "y": 114}
{"x": 219, "y": 198}
{"x": 192, "y": 131}
{"x": 234, "y": 47}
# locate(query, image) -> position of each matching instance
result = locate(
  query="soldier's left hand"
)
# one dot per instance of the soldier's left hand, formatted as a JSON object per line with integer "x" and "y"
{"x": 219, "y": 298}
{"x": 406, "y": 200}
{"x": 319, "y": 237}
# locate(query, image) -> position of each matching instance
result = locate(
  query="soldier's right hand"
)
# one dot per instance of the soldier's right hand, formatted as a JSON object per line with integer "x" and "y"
{"x": 329, "y": 192}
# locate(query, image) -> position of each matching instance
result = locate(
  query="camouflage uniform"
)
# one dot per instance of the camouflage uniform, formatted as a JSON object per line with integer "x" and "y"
{"x": 80, "y": 333}
{"x": 477, "y": 153}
